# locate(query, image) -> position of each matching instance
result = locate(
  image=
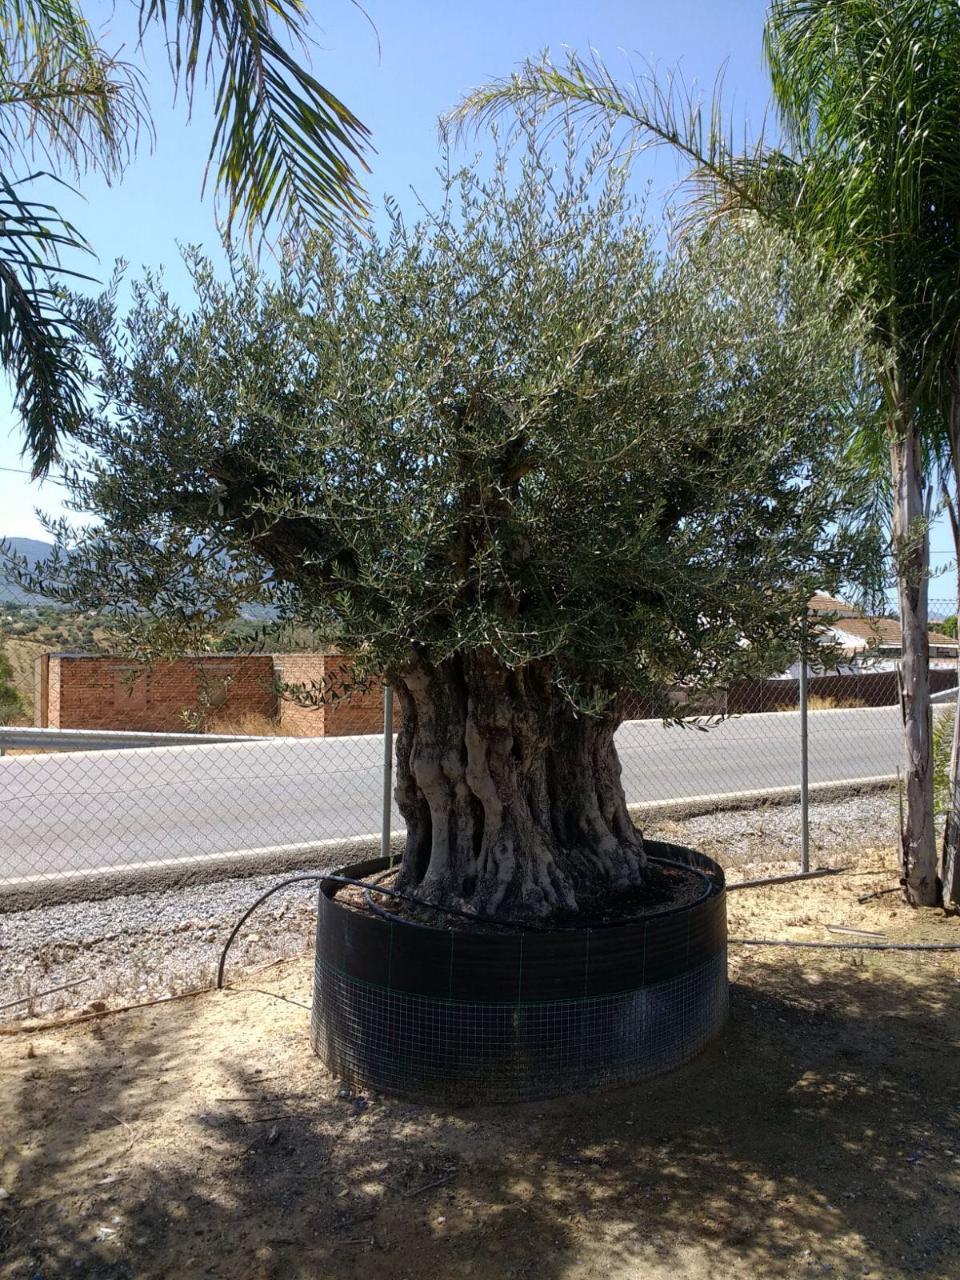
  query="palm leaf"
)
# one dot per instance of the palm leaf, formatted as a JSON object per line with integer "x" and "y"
{"x": 285, "y": 150}
{"x": 39, "y": 343}
{"x": 61, "y": 94}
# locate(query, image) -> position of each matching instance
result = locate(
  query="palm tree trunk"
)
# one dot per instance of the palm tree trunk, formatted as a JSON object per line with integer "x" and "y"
{"x": 950, "y": 859}
{"x": 918, "y": 853}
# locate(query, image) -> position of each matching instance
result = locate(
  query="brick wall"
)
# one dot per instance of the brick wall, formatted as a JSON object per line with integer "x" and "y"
{"x": 95, "y": 692}
{"x": 51, "y": 716}
{"x": 305, "y": 669}
{"x": 341, "y": 714}
{"x": 190, "y": 694}
{"x": 658, "y": 704}
{"x": 110, "y": 693}
{"x": 360, "y": 711}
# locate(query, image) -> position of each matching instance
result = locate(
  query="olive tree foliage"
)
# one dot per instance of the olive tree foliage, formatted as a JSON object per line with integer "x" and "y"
{"x": 518, "y": 459}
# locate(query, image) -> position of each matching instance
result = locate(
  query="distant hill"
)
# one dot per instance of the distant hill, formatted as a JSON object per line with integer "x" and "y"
{"x": 35, "y": 550}
{"x": 32, "y": 548}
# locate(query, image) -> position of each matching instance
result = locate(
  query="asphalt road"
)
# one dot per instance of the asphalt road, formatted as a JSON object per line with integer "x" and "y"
{"x": 89, "y": 810}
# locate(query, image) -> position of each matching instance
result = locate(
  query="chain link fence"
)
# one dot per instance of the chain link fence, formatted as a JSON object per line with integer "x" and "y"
{"x": 123, "y": 865}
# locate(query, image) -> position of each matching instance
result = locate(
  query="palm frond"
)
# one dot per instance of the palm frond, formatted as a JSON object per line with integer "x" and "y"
{"x": 723, "y": 174}
{"x": 585, "y": 91}
{"x": 285, "y": 152}
{"x": 62, "y": 95}
{"x": 285, "y": 149}
{"x": 39, "y": 343}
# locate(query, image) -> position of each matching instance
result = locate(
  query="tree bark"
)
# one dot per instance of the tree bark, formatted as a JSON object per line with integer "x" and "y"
{"x": 512, "y": 799}
{"x": 950, "y": 858}
{"x": 918, "y": 854}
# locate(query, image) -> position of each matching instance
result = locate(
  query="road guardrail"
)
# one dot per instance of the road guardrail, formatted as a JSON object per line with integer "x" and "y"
{"x": 15, "y": 737}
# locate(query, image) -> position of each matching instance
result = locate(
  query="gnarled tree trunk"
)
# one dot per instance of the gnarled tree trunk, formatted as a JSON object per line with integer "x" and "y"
{"x": 512, "y": 798}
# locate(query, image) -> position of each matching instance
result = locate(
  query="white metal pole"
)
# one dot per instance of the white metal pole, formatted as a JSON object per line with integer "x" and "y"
{"x": 804, "y": 763}
{"x": 387, "y": 771}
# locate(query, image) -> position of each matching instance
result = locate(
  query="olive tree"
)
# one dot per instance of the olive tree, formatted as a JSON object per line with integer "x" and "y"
{"x": 520, "y": 460}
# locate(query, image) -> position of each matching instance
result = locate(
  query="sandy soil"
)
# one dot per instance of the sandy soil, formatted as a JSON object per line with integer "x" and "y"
{"x": 819, "y": 1136}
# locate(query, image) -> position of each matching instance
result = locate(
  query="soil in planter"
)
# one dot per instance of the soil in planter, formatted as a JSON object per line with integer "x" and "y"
{"x": 665, "y": 886}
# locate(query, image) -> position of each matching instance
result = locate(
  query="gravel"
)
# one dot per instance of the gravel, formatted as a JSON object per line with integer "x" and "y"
{"x": 136, "y": 948}
{"x": 146, "y": 945}
{"x": 769, "y": 836}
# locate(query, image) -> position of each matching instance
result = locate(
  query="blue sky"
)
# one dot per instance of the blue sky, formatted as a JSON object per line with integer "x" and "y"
{"x": 430, "y": 52}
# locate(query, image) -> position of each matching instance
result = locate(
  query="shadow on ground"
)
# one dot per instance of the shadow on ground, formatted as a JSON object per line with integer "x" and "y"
{"x": 818, "y": 1137}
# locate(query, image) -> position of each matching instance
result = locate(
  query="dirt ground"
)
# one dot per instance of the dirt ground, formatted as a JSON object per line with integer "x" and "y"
{"x": 819, "y": 1136}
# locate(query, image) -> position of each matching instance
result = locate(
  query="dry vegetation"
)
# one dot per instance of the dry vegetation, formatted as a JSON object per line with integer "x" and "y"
{"x": 251, "y": 722}
{"x": 243, "y": 722}
{"x": 22, "y": 655}
{"x": 24, "y": 638}
{"x": 816, "y": 1138}
{"x": 820, "y": 702}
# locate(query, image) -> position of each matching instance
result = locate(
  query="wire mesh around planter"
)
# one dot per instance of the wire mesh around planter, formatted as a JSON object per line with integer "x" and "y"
{"x": 452, "y": 1016}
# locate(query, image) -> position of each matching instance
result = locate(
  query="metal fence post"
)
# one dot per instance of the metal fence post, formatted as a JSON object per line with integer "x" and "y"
{"x": 804, "y": 762}
{"x": 387, "y": 771}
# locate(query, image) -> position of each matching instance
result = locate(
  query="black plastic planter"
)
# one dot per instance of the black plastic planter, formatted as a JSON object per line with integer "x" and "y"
{"x": 454, "y": 1016}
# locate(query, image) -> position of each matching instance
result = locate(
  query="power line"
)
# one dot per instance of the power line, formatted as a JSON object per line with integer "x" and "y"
{"x": 22, "y": 471}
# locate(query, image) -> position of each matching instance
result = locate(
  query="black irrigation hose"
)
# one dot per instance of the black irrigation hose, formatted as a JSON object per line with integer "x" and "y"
{"x": 847, "y": 946}
{"x": 796, "y": 875}
{"x": 313, "y": 877}
{"x": 369, "y": 889}
{"x": 249, "y": 912}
